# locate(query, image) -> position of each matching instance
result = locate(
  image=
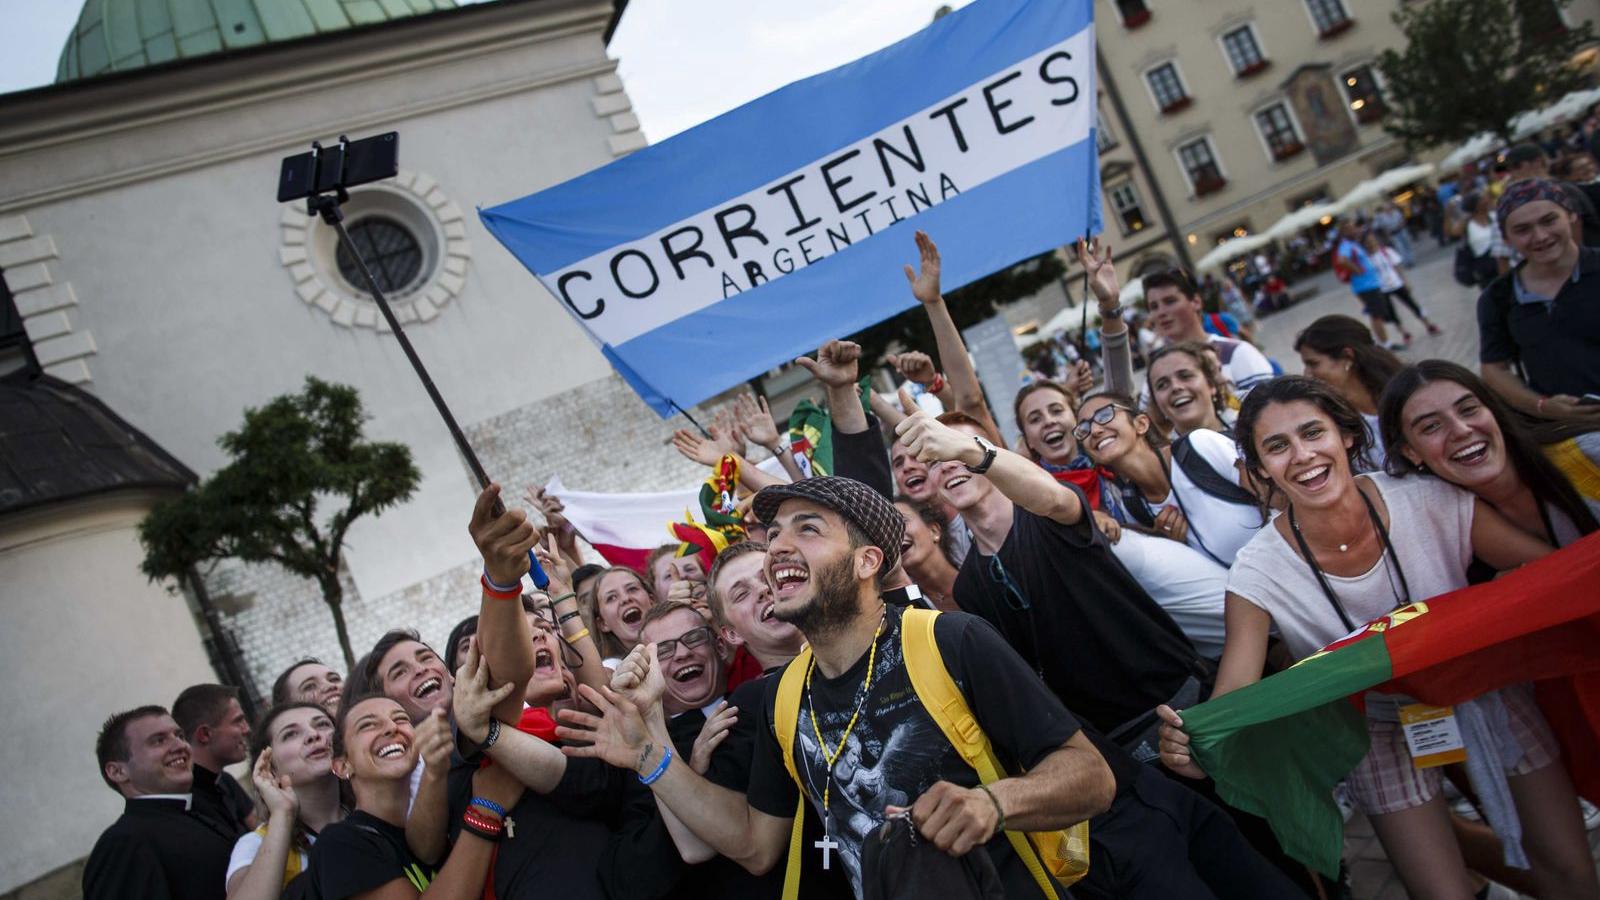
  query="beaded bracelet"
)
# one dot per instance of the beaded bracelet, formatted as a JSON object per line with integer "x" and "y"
{"x": 496, "y": 592}
{"x": 653, "y": 777}
{"x": 488, "y": 804}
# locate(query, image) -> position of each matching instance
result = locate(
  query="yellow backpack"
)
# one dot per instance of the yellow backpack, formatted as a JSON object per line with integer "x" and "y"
{"x": 1052, "y": 857}
{"x": 1577, "y": 466}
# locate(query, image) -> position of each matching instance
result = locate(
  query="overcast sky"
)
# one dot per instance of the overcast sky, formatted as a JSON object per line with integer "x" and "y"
{"x": 684, "y": 61}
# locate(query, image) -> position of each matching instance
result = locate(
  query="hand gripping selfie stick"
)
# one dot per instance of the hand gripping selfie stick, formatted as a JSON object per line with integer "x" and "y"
{"x": 323, "y": 177}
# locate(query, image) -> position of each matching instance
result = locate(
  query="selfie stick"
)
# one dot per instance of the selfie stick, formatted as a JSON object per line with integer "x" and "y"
{"x": 328, "y": 207}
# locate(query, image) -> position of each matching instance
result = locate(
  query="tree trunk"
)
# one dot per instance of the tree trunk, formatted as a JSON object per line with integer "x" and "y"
{"x": 333, "y": 595}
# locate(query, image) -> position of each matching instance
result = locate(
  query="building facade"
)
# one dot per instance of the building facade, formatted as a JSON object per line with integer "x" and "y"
{"x": 149, "y": 265}
{"x": 1245, "y": 112}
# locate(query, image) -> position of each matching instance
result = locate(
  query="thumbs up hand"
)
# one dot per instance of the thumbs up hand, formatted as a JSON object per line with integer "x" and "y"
{"x": 932, "y": 441}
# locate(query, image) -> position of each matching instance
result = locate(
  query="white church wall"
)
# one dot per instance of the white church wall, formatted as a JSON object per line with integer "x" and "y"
{"x": 157, "y": 200}
{"x": 85, "y": 635}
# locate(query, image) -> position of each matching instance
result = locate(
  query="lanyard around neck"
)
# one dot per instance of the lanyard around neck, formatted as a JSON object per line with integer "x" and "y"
{"x": 1402, "y": 596}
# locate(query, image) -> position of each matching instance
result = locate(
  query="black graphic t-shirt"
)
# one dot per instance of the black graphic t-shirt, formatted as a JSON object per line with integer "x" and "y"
{"x": 896, "y": 752}
{"x": 360, "y": 854}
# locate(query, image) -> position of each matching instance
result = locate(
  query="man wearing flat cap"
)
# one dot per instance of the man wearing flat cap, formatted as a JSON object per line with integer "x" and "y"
{"x": 865, "y": 747}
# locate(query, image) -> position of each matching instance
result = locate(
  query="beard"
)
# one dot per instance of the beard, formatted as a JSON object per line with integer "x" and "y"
{"x": 832, "y": 607}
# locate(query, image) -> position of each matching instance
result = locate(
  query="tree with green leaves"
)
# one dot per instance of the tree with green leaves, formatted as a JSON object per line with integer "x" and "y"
{"x": 292, "y": 454}
{"x": 968, "y": 306}
{"x": 1471, "y": 66}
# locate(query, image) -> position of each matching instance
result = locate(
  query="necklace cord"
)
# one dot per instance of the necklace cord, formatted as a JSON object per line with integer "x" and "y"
{"x": 1402, "y": 596}
{"x": 861, "y": 701}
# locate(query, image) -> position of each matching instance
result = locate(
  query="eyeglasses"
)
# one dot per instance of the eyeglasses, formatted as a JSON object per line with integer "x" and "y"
{"x": 1013, "y": 594}
{"x": 1101, "y": 416}
{"x": 691, "y": 638}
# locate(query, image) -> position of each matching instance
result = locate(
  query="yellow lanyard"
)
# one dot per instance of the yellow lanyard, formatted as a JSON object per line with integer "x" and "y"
{"x": 831, "y": 758}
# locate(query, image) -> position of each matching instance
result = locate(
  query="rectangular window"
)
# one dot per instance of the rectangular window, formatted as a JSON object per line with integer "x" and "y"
{"x": 1104, "y": 139}
{"x": 1328, "y": 16}
{"x": 1167, "y": 87}
{"x": 1130, "y": 212}
{"x": 1361, "y": 92}
{"x": 1200, "y": 164}
{"x": 1277, "y": 129}
{"x": 1244, "y": 54}
{"x": 1134, "y": 12}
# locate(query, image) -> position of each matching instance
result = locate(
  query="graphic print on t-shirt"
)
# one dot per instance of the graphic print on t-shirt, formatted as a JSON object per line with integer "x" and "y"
{"x": 893, "y": 755}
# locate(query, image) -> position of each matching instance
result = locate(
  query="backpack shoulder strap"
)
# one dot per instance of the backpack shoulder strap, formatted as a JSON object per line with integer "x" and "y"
{"x": 785, "y": 721}
{"x": 1198, "y": 469}
{"x": 1577, "y": 466}
{"x": 943, "y": 700}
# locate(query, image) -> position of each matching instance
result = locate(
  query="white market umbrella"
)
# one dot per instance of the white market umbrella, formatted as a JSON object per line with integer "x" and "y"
{"x": 1301, "y": 219}
{"x": 1231, "y": 249}
{"x": 1382, "y": 185}
{"x": 1061, "y": 321}
{"x": 1473, "y": 147}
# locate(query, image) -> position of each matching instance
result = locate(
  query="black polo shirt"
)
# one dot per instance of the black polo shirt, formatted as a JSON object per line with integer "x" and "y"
{"x": 1073, "y": 612}
{"x": 158, "y": 850}
{"x": 1557, "y": 339}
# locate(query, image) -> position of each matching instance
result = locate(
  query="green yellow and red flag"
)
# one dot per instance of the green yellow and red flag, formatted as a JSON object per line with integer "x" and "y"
{"x": 1278, "y": 747}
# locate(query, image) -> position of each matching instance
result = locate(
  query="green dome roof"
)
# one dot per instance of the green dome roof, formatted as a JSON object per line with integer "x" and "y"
{"x": 118, "y": 35}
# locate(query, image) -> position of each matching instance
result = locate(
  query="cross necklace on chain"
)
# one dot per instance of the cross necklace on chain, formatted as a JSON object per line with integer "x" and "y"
{"x": 827, "y": 844}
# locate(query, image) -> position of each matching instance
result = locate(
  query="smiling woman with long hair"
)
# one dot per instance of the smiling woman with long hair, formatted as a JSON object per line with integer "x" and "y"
{"x": 366, "y": 857}
{"x": 293, "y": 774}
{"x": 1348, "y": 549}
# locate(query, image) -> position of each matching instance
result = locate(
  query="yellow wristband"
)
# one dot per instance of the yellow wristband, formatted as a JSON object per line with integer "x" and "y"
{"x": 574, "y": 638}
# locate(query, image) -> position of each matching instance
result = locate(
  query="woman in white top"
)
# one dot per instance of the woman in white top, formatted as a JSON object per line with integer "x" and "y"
{"x": 293, "y": 774}
{"x": 1391, "y": 280}
{"x": 1186, "y": 388}
{"x": 1326, "y": 565}
{"x": 1339, "y": 351}
{"x": 1215, "y": 516}
{"x": 1483, "y": 236}
{"x": 1440, "y": 419}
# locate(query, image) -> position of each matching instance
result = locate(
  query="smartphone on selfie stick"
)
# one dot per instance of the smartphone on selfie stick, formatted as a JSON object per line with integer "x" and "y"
{"x": 323, "y": 177}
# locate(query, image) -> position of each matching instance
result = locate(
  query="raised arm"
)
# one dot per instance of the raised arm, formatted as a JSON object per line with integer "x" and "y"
{"x": 427, "y": 824}
{"x": 958, "y": 368}
{"x": 1024, "y": 482}
{"x": 838, "y": 366}
{"x": 1116, "y": 355}
{"x": 536, "y": 764}
{"x": 754, "y": 418}
{"x": 263, "y": 878}
{"x": 507, "y": 642}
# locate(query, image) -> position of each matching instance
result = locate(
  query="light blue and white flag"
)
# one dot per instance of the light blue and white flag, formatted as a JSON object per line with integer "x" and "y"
{"x": 726, "y": 250}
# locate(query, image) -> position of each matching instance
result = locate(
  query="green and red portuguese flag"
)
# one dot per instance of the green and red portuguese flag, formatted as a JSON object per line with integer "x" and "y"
{"x": 1277, "y": 747}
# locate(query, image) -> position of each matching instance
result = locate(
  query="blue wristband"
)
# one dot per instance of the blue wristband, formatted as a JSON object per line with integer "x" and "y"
{"x": 490, "y": 805}
{"x": 503, "y": 588}
{"x": 653, "y": 777}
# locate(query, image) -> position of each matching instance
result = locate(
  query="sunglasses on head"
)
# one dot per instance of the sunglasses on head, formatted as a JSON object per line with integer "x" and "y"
{"x": 1101, "y": 416}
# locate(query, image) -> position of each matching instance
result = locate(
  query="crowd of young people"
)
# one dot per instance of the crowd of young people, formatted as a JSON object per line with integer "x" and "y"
{"x": 949, "y": 668}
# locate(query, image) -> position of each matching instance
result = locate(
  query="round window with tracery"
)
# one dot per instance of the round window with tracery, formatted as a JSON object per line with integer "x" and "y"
{"x": 391, "y": 251}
